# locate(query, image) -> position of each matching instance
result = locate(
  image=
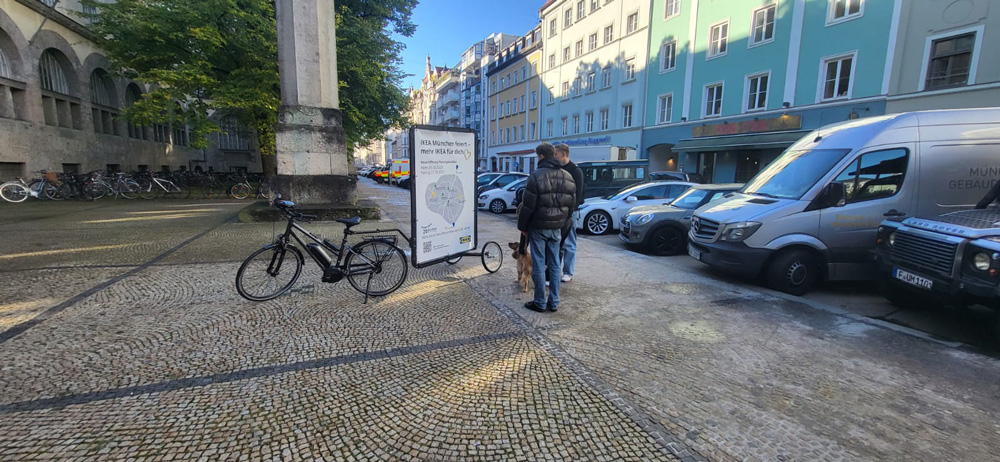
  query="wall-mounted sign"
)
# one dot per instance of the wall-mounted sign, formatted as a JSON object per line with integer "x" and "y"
{"x": 442, "y": 193}
{"x": 587, "y": 141}
{"x": 785, "y": 122}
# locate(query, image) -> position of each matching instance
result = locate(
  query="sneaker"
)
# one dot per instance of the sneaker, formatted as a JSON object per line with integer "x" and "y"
{"x": 553, "y": 309}
{"x": 534, "y": 307}
{"x": 566, "y": 278}
{"x": 546, "y": 283}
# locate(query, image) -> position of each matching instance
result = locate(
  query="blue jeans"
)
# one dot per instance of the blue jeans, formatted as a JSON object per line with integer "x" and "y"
{"x": 545, "y": 258}
{"x": 568, "y": 253}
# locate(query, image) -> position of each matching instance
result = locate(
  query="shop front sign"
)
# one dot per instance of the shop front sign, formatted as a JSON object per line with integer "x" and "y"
{"x": 785, "y": 122}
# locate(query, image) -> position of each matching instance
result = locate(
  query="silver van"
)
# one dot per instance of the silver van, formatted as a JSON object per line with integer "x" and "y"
{"x": 812, "y": 214}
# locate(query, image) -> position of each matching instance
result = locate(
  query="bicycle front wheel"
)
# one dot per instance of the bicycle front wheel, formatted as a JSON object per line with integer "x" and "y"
{"x": 51, "y": 192}
{"x": 269, "y": 272}
{"x": 129, "y": 189}
{"x": 492, "y": 257}
{"x": 377, "y": 268}
{"x": 13, "y": 192}
{"x": 240, "y": 191}
{"x": 177, "y": 192}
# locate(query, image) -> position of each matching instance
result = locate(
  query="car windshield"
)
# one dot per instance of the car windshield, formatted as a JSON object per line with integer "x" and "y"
{"x": 517, "y": 184}
{"x": 626, "y": 191}
{"x": 694, "y": 197}
{"x": 793, "y": 173}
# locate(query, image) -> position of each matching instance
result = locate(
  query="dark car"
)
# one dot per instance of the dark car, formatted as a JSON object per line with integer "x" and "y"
{"x": 663, "y": 229}
{"x": 677, "y": 176}
{"x": 500, "y": 181}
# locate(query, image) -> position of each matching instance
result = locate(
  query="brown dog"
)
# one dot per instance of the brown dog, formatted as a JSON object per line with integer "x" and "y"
{"x": 523, "y": 257}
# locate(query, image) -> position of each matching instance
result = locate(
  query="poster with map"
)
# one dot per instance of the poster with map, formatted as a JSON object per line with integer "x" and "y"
{"x": 442, "y": 193}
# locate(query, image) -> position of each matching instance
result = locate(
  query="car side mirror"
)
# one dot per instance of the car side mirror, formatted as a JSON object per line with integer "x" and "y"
{"x": 631, "y": 199}
{"x": 835, "y": 195}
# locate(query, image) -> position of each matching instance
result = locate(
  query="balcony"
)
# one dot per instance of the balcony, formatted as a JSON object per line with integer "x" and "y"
{"x": 447, "y": 99}
{"x": 450, "y": 115}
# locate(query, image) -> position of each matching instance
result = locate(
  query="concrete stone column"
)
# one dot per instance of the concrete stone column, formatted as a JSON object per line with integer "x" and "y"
{"x": 312, "y": 161}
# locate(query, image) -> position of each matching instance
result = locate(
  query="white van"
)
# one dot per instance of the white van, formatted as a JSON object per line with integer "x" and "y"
{"x": 812, "y": 214}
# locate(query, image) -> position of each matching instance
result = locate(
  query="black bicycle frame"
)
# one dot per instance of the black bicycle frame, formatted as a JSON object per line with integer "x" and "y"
{"x": 365, "y": 267}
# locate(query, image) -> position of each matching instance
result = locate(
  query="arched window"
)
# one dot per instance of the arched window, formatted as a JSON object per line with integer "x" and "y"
{"x": 61, "y": 109}
{"x": 233, "y": 136}
{"x": 11, "y": 90}
{"x": 132, "y": 95}
{"x": 103, "y": 101}
{"x": 180, "y": 129}
{"x": 5, "y": 71}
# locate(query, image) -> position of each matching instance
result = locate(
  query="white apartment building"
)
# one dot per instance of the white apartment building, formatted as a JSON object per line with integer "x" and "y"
{"x": 594, "y": 76}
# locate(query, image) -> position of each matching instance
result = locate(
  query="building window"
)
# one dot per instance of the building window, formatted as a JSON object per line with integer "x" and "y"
{"x": 59, "y": 108}
{"x": 523, "y": 133}
{"x": 515, "y": 80}
{"x": 668, "y": 56}
{"x": 718, "y": 40}
{"x": 533, "y": 127}
{"x": 837, "y": 77}
{"x": 552, "y": 28}
{"x": 515, "y": 107}
{"x": 503, "y": 83}
{"x": 160, "y": 133}
{"x": 592, "y": 41}
{"x": 576, "y": 86}
{"x": 515, "y": 134}
{"x": 180, "y": 135}
{"x": 103, "y": 104}
{"x": 493, "y": 87}
{"x": 844, "y": 10}
{"x": 567, "y": 18}
{"x": 507, "y": 111}
{"x": 524, "y": 72}
{"x": 590, "y": 81}
{"x": 757, "y": 92}
{"x": 950, "y": 62}
{"x": 671, "y": 8}
{"x": 579, "y": 48}
{"x": 594, "y": 5}
{"x": 133, "y": 95}
{"x": 548, "y": 128}
{"x": 576, "y": 124}
{"x": 552, "y": 60}
{"x": 626, "y": 115}
{"x": 565, "y": 88}
{"x": 565, "y": 126}
{"x": 664, "y": 107}
{"x": 552, "y": 96}
{"x": 590, "y": 122}
{"x": 604, "y": 119}
{"x": 581, "y": 9}
{"x": 565, "y": 54}
{"x": 629, "y": 69}
{"x": 609, "y": 34}
{"x": 763, "y": 25}
{"x": 232, "y": 135}
{"x": 523, "y": 107}
{"x": 713, "y": 100}
{"x": 534, "y": 99}
{"x": 632, "y": 23}
{"x": 606, "y": 77}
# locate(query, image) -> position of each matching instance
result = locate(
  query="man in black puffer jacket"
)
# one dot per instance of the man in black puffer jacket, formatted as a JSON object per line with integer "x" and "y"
{"x": 547, "y": 205}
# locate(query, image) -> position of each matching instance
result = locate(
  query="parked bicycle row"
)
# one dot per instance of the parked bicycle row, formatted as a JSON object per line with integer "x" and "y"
{"x": 146, "y": 185}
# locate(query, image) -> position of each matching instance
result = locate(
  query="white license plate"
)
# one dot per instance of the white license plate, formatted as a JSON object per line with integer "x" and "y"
{"x": 912, "y": 279}
{"x": 694, "y": 253}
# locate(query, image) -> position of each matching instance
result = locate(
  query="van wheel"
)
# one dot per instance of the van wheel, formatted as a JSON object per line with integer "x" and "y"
{"x": 597, "y": 222}
{"x": 497, "y": 206}
{"x": 793, "y": 272}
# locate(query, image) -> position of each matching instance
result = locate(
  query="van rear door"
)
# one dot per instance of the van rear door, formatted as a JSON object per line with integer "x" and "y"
{"x": 880, "y": 184}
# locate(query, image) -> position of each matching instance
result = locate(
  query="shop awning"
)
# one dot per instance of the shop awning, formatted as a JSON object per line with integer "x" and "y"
{"x": 756, "y": 141}
{"x": 516, "y": 153}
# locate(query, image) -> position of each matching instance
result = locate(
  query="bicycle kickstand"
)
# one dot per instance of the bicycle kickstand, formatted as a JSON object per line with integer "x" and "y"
{"x": 368, "y": 285}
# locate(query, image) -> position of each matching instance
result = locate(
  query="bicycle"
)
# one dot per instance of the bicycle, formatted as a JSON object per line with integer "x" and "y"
{"x": 374, "y": 267}
{"x": 17, "y": 190}
{"x": 152, "y": 186}
{"x": 101, "y": 185}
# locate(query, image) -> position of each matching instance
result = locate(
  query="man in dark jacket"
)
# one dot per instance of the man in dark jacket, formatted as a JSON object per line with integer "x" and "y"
{"x": 548, "y": 203}
{"x": 567, "y": 252}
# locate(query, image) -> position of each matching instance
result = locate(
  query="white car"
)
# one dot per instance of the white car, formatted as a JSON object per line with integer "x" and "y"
{"x": 600, "y": 215}
{"x": 500, "y": 200}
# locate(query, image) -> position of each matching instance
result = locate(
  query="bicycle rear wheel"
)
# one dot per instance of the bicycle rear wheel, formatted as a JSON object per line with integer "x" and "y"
{"x": 176, "y": 192}
{"x": 269, "y": 272}
{"x": 13, "y": 192}
{"x": 381, "y": 271}
{"x": 95, "y": 190}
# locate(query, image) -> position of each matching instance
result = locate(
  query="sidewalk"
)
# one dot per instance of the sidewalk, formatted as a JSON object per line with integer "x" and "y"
{"x": 156, "y": 357}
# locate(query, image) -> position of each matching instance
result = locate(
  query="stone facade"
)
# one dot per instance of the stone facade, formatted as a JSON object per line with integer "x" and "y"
{"x": 59, "y": 104}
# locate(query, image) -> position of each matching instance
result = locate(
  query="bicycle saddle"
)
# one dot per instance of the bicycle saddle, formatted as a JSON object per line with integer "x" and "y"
{"x": 284, "y": 203}
{"x": 353, "y": 221}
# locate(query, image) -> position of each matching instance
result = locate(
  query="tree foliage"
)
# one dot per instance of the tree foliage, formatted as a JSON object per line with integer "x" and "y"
{"x": 221, "y": 56}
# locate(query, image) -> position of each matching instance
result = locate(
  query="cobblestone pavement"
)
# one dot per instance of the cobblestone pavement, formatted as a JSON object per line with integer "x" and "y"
{"x": 123, "y": 338}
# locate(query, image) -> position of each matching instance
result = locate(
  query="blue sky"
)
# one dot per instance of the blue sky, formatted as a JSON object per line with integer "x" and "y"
{"x": 446, "y": 28}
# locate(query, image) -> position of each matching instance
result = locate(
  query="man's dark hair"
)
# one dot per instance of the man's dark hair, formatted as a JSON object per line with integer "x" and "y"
{"x": 562, "y": 147}
{"x": 545, "y": 150}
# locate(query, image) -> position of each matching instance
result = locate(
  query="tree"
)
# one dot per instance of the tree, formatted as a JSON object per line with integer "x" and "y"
{"x": 221, "y": 56}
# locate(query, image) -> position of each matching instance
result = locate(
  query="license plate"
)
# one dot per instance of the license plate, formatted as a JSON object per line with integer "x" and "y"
{"x": 912, "y": 279}
{"x": 694, "y": 253}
